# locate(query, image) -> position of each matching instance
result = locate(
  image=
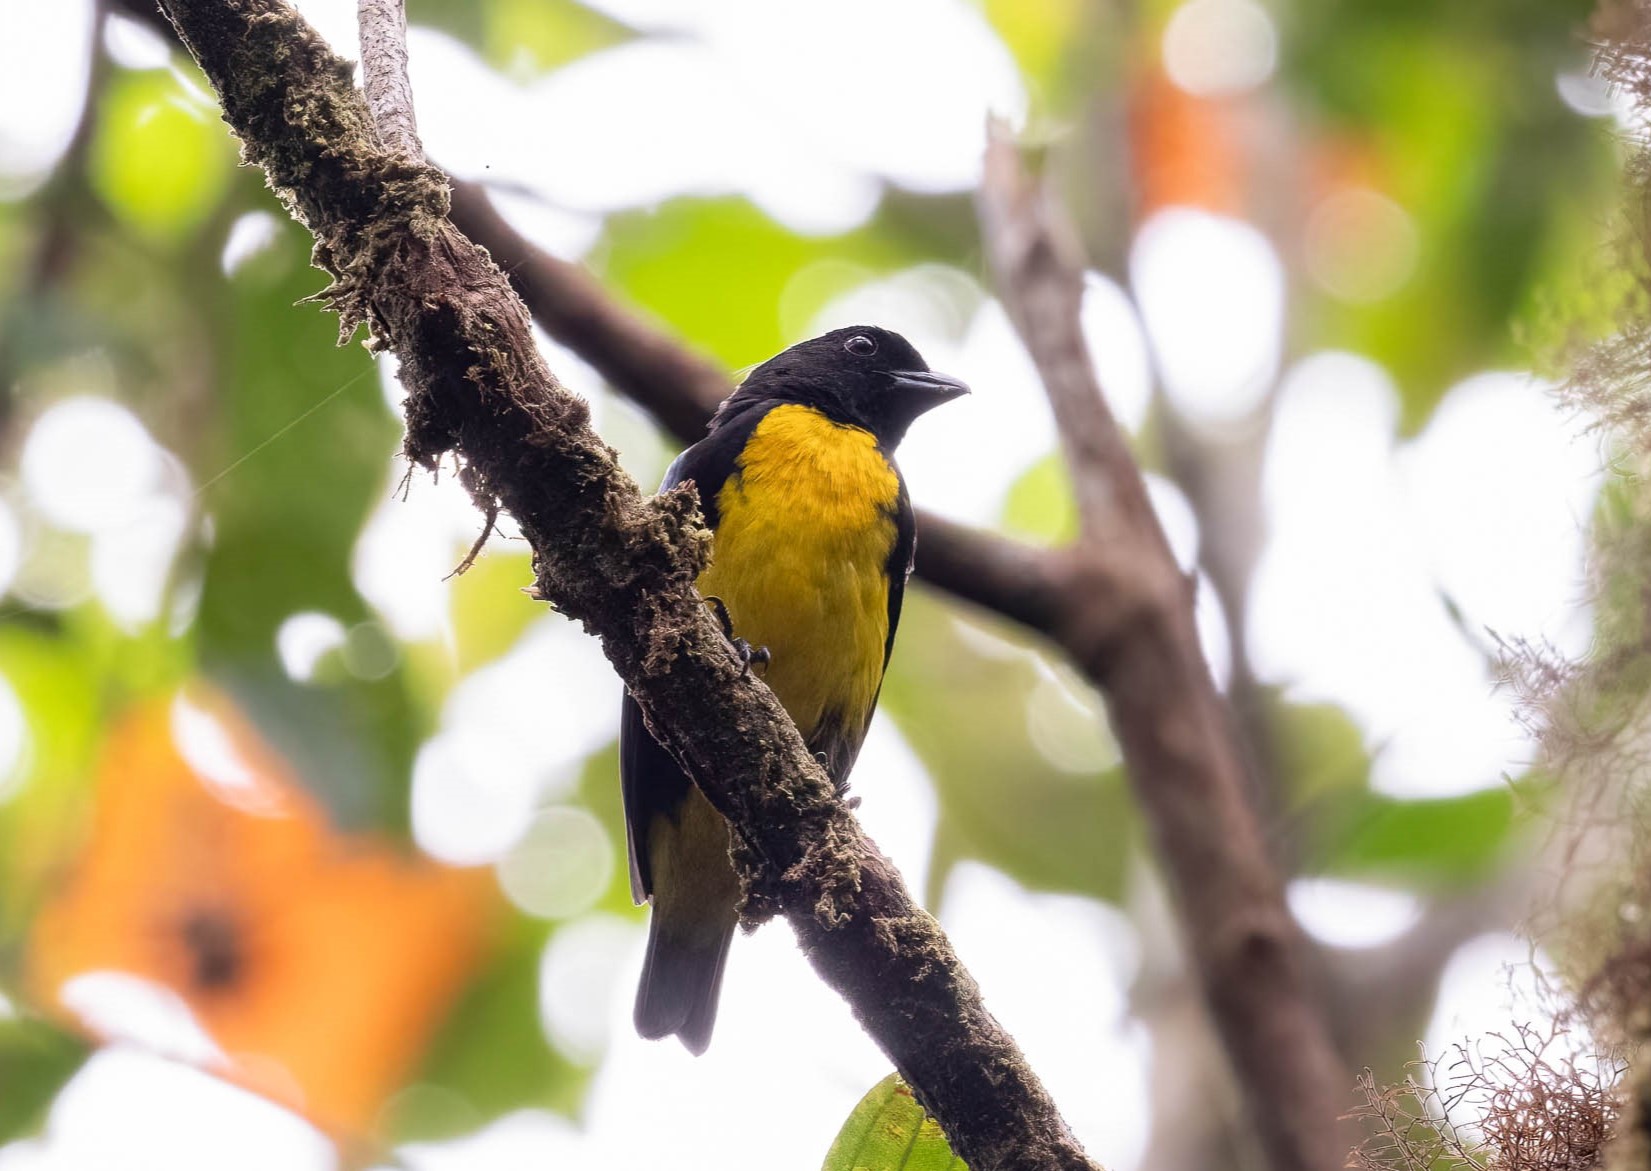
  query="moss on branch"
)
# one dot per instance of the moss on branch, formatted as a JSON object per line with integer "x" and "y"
{"x": 620, "y": 563}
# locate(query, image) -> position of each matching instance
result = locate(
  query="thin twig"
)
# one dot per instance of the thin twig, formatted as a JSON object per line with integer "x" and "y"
{"x": 1178, "y": 740}
{"x": 1035, "y": 253}
{"x": 383, "y": 29}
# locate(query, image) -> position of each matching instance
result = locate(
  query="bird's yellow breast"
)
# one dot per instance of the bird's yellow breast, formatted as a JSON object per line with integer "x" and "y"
{"x": 801, "y": 562}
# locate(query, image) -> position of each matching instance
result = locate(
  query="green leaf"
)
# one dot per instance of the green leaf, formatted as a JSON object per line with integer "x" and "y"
{"x": 889, "y": 1131}
{"x": 668, "y": 261}
{"x": 1347, "y": 830}
{"x": 1441, "y": 842}
{"x": 1070, "y": 53}
{"x": 160, "y": 160}
{"x": 36, "y": 1060}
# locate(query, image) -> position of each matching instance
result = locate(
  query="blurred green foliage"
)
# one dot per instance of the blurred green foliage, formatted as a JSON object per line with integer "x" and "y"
{"x": 159, "y": 159}
{"x": 35, "y": 1060}
{"x": 1452, "y": 111}
{"x": 1039, "y": 507}
{"x": 285, "y": 435}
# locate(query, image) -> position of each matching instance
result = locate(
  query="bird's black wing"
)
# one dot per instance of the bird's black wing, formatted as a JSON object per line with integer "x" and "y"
{"x": 650, "y": 781}
{"x": 901, "y": 559}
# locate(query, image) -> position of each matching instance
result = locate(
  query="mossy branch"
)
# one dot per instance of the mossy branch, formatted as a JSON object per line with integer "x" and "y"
{"x": 620, "y": 563}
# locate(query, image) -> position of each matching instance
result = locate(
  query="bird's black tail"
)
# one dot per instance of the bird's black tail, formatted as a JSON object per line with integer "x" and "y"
{"x": 682, "y": 977}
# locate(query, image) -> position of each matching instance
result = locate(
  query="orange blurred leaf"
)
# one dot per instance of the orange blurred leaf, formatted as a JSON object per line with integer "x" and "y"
{"x": 319, "y": 963}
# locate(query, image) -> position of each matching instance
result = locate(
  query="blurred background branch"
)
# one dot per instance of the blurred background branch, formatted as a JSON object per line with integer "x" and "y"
{"x": 1133, "y": 631}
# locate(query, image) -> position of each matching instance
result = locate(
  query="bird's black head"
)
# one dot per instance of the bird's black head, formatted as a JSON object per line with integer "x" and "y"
{"x": 862, "y": 376}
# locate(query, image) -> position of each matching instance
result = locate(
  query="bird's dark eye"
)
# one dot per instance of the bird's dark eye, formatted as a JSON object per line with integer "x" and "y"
{"x": 861, "y": 346}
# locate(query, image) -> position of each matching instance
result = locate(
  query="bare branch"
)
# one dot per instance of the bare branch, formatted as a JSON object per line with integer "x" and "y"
{"x": 621, "y": 564}
{"x": 383, "y": 29}
{"x": 1040, "y": 276}
{"x": 1135, "y": 635}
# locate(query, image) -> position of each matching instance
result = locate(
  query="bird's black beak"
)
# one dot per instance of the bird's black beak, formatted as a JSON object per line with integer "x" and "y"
{"x": 924, "y": 389}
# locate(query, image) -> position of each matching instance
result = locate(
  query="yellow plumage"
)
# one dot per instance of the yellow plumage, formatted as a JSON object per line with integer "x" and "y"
{"x": 801, "y": 560}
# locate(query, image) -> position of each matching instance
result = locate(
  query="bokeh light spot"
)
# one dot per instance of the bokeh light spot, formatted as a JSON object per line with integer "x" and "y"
{"x": 1211, "y": 294}
{"x": 1360, "y": 245}
{"x": 14, "y": 741}
{"x": 514, "y": 733}
{"x": 1372, "y": 546}
{"x": 561, "y": 866}
{"x": 209, "y": 749}
{"x": 466, "y": 811}
{"x": 86, "y": 463}
{"x": 1118, "y": 348}
{"x": 304, "y": 639}
{"x": 1488, "y": 981}
{"x": 370, "y": 652}
{"x": 1214, "y": 48}
{"x": 132, "y": 45}
{"x": 580, "y": 980}
{"x": 132, "y": 564}
{"x": 1175, "y": 515}
{"x": 139, "y": 1112}
{"x": 1352, "y": 914}
{"x": 124, "y": 1007}
{"x": 1588, "y": 95}
{"x": 44, "y": 59}
{"x": 251, "y": 233}
{"x": 1214, "y": 636}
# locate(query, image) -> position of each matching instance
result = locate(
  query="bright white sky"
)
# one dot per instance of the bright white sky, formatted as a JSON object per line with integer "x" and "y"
{"x": 1368, "y": 537}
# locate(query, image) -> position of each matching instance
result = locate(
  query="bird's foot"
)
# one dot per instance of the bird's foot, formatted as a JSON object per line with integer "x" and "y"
{"x": 750, "y": 654}
{"x": 747, "y": 653}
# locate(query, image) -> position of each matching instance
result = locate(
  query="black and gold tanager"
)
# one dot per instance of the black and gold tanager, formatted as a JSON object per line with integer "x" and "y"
{"x": 813, "y": 543}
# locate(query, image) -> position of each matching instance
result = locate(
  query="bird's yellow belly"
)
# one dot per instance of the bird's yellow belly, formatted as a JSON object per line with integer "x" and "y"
{"x": 801, "y": 562}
